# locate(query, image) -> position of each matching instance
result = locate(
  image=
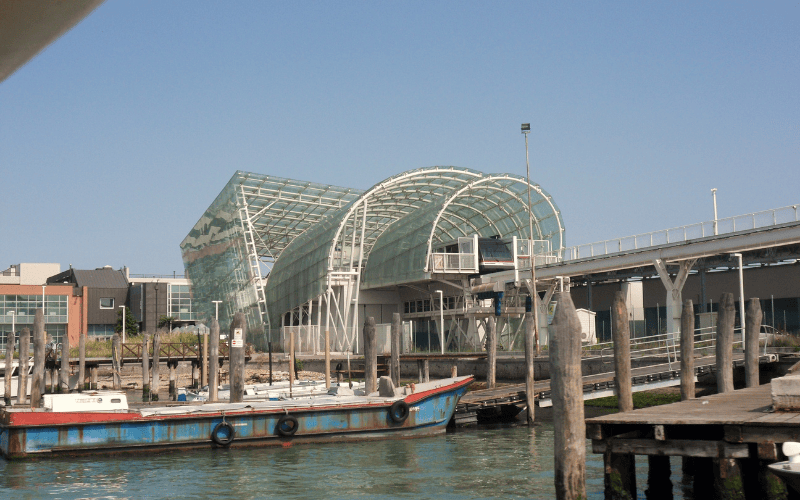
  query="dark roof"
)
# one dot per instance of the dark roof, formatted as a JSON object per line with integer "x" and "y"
{"x": 97, "y": 278}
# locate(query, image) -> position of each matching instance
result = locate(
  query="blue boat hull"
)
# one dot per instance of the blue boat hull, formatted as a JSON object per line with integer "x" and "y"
{"x": 25, "y": 436}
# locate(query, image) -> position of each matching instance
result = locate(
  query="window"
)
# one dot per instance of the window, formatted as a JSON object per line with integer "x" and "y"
{"x": 106, "y": 303}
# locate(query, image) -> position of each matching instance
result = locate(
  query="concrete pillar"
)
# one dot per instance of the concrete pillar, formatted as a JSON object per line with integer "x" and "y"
{"x": 751, "y": 333}
{"x": 674, "y": 292}
{"x": 687, "y": 351}
{"x": 238, "y": 339}
{"x": 38, "y": 383}
{"x": 370, "y": 356}
{"x": 724, "y": 347}
{"x": 491, "y": 351}
{"x": 213, "y": 353}
{"x": 569, "y": 443}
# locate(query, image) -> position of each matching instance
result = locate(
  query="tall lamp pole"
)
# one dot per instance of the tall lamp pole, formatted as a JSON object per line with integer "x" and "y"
{"x": 714, "y": 196}
{"x": 441, "y": 319}
{"x": 526, "y": 129}
{"x": 124, "y": 320}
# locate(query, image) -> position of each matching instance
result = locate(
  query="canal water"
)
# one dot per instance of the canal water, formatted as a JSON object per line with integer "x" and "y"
{"x": 496, "y": 462}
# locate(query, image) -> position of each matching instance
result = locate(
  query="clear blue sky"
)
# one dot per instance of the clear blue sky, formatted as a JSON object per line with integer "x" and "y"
{"x": 115, "y": 139}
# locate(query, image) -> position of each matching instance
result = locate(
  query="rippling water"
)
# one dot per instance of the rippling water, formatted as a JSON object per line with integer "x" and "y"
{"x": 504, "y": 462}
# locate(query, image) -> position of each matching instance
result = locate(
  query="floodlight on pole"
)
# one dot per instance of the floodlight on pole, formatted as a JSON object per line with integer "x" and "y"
{"x": 526, "y": 129}
{"x": 441, "y": 319}
{"x": 216, "y": 308}
{"x": 124, "y": 320}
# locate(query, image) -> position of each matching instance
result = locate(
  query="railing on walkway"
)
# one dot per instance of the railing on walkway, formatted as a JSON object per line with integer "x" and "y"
{"x": 668, "y": 344}
{"x": 679, "y": 234}
{"x": 169, "y": 351}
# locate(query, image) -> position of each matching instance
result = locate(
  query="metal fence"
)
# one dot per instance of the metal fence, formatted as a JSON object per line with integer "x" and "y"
{"x": 739, "y": 223}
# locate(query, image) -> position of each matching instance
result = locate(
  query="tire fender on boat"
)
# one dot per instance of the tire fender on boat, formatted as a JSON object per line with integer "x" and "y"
{"x": 225, "y": 438}
{"x": 398, "y": 412}
{"x": 287, "y": 425}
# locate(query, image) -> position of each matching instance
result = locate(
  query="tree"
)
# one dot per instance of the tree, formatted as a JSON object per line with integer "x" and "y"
{"x": 131, "y": 326}
{"x": 165, "y": 320}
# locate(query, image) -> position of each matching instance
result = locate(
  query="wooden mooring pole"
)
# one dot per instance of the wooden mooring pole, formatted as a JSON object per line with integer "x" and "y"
{"x": 752, "y": 331}
{"x": 687, "y": 350}
{"x": 724, "y": 348}
{"x": 394, "y": 364}
{"x": 292, "y": 361}
{"x": 530, "y": 353}
{"x": 620, "y": 469}
{"x": 491, "y": 353}
{"x": 156, "y": 369}
{"x": 173, "y": 379}
{"x": 81, "y": 362}
{"x": 687, "y": 367}
{"x": 11, "y": 341}
{"x": 569, "y": 436}
{"x": 213, "y": 353}
{"x": 146, "y": 367}
{"x": 370, "y": 356}
{"x": 22, "y": 387}
{"x": 63, "y": 371}
{"x": 238, "y": 339}
{"x": 37, "y": 387}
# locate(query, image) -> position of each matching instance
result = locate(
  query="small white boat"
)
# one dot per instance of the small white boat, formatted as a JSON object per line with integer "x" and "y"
{"x": 789, "y": 471}
{"x": 275, "y": 392}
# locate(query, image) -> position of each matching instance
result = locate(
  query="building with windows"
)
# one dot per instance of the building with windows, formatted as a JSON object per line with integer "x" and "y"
{"x": 24, "y": 289}
{"x": 295, "y": 254}
{"x": 153, "y": 297}
{"x": 105, "y": 291}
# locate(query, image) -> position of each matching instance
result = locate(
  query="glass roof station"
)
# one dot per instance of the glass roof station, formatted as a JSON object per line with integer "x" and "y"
{"x": 298, "y": 254}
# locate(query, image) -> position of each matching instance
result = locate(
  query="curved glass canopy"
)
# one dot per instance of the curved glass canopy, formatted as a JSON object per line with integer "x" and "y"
{"x": 385, "y": 236}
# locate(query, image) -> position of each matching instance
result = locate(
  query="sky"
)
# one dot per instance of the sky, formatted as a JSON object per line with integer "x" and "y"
{"x": 117, "y": 137}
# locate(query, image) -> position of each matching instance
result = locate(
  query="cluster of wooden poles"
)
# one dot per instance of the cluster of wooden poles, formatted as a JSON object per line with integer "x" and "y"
{"x": 38, "y": 374}
{"x": 567, "y": 390}
{"x": 238, "y": 332}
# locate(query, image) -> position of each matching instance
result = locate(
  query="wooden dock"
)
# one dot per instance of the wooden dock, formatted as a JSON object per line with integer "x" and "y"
{"x": 598, "y": 385}
{"x": 730, "y": 437}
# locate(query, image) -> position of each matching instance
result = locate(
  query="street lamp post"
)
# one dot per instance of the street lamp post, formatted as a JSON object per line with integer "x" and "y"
{"x": 741, "y": 289}
{"x": 216, "y": 308}
{"x": 124, "y": 320}
{"x": 441, "y": 319}
{"x": 714, "y": 196}
{"x": 526, "y": 129}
